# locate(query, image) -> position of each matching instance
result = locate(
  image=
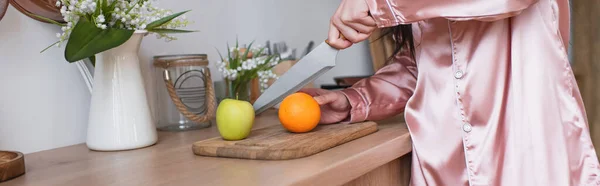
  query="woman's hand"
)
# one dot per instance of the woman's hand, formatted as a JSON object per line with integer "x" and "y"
{"x": 353, "y": 21}
{"x": 335, "y": 107}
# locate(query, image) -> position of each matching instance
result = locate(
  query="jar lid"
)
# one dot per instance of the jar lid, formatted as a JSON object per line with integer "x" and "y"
{"x": 166, "y": 61}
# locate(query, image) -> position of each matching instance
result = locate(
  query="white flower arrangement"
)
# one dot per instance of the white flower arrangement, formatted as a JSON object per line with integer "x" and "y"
{"x": 243, "y": 65}
{"x": 129, "y": 15}
{"x": 111, "y": 23}
{"x": 251, "y": 65}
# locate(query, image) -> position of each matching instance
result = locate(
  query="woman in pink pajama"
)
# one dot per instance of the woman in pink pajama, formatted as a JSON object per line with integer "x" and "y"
{"x": 486, "y": 88}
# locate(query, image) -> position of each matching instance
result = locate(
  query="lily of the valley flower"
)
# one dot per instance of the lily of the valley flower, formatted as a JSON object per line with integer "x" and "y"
{"x": 259, "y": 66}
{"x": 132, "y": 15}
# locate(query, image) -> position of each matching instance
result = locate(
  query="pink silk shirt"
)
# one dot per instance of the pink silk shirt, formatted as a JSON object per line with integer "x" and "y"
{"x": 490, "y": 99}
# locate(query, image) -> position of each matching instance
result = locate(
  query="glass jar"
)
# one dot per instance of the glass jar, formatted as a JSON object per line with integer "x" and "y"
{"x": 186, "y": 97}
{"x": 241, "y": 91}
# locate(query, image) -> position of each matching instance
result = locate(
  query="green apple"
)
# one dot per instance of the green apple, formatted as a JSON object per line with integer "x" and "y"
{"x": 235, "y": 119}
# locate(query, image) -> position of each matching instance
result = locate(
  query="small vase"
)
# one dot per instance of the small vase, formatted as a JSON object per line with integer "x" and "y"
{"x": 120, "y": 117}
{"x": 240, "y": 92}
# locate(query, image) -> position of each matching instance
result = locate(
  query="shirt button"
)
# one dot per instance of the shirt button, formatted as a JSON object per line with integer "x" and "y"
{"x": 459, "y": 74}
{"x": 467, "y": 127}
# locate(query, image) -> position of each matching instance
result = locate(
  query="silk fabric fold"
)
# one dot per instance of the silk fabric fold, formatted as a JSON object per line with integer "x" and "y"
{"x": 490, "y": 99}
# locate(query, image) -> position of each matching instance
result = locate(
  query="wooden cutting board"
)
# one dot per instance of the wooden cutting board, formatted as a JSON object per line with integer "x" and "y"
{"x": 276, "y": 143}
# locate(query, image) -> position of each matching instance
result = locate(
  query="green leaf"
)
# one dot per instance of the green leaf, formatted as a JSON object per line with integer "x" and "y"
{"x": 268, "y": 60}
{"x": 164, "y": 20}
{"x": 106, "y": 11}
{"x": 112, "y": 6}
{"x": 245, "y": 56}
{"x": 87, "y": 40}
{"x": 169, "y": 31}
{"x": 236, "y": 42}
{"x": 228, "y": 53}
{"x": 259, "y": 52}
{"x": 93, "y": 60}
{"x": 49, "y": 46}
{"x": 105, "y": 6}
{"x": 46, "y": 19}
{"x": 219, "y": 52}
{"x": 131, "y": 8}
{"x": 98, "y": 9}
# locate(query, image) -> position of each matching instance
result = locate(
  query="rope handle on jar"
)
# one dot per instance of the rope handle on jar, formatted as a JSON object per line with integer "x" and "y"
{"x": 210, "y": 99}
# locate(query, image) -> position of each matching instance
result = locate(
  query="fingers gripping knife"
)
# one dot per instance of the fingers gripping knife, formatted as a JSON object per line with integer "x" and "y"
{"x": 310, "y": 67}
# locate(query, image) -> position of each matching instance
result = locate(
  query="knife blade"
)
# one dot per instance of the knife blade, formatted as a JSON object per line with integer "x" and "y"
{"x": 310, "y": 67}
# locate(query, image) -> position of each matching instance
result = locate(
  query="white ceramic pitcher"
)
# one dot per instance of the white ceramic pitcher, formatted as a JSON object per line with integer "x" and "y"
{"x": 120, "y": 117}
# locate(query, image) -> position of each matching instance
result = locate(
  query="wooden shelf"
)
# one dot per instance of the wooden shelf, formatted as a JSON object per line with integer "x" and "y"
{"x": 172, "y": 162}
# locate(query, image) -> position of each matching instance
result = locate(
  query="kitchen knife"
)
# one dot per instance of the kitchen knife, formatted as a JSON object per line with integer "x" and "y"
{"x": 307, "y": 69}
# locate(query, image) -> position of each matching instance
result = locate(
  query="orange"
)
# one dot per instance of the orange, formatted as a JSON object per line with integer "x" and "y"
{"x": 299, "y": 112}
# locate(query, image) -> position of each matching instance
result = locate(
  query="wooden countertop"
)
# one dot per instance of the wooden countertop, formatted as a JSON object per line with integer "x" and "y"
{"x": 172, "y": 162}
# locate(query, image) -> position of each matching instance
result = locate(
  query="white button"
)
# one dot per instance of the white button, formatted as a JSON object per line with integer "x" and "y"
{"x": 458, "y": 74}
{"x": 467, "y": 127}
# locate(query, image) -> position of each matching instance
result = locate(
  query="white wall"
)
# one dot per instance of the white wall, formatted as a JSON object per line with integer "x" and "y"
{"x": 219, "y": 21}
{"x": 44, "y": 102}
{"x": 294, "y": 21}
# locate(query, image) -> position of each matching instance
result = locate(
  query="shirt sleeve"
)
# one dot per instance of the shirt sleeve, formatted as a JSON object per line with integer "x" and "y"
{"x": 385, "y": 93}
{"x": 394, "y": 12}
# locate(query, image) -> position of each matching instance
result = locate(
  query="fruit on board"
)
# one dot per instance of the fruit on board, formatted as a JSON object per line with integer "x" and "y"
{"x": 234, "y": 119}
{"x": 299, "y": 112}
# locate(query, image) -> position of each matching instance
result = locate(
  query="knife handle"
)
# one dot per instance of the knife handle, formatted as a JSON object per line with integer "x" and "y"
{"x": 341, "y": 37}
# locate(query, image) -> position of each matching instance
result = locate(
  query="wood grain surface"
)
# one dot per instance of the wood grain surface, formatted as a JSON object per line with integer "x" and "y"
{"x": 172, "y": 162}
{"x": 586, "y": 58}
{"x": 396, "y": 172}
{"x": 276, "y": 143}
{"x": 12, "y": 164}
